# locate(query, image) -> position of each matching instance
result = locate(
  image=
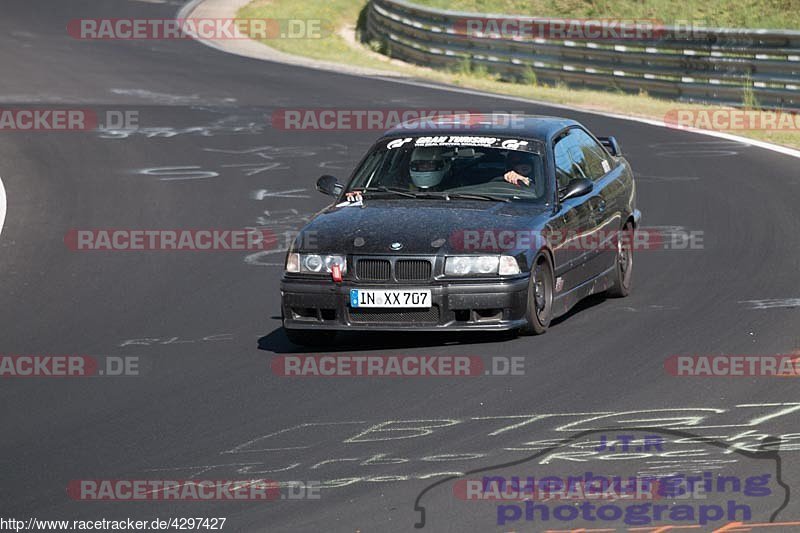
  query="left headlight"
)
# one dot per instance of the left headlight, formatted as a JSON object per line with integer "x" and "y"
{"x": 478, "y": 265}
{"x": 315, "y": 263}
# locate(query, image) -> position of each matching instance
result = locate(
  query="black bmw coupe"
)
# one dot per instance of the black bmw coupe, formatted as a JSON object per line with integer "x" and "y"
{"x": 469, "y": 222}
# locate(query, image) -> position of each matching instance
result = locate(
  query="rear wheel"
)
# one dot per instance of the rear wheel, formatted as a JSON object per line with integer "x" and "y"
{"x": 310, "y": 337}
{"x": 540, "y": 298}
{"x": 624, "y": 264}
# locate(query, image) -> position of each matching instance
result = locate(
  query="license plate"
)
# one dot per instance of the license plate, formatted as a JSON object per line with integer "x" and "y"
{"x": 390, "y": 298}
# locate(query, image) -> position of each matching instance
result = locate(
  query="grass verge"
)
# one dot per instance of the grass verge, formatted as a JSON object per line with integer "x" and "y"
{"x": 339, "y": 45}
{"x": 773, "y": 14}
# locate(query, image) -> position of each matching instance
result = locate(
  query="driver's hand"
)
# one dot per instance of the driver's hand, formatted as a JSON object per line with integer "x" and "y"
{"x": 353, "y": 196}
{"x": 515, "y": 179}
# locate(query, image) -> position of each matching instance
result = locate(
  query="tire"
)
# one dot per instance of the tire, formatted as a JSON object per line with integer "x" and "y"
{"x": 310, "y": 337}
{"x": 624, "y": 264}
{"x": 540, "y": 298}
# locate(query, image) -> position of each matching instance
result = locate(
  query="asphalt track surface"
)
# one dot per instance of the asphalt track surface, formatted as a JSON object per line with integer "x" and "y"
{"x": 212, "y": 319}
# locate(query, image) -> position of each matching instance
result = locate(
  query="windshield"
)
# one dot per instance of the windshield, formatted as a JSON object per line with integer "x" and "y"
{"x": 473, "y": 167}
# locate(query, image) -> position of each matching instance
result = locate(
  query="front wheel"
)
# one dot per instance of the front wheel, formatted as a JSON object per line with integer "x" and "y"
{"x": 540, "y": 298}
{"x": 624, "y": 264}
{"x": 310, "y": 337}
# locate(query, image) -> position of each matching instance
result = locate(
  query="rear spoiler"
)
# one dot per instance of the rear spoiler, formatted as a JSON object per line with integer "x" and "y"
{"x": 611, "y": 145}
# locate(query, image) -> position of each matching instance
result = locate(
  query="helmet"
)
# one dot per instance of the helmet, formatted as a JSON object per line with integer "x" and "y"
{"x": 427, "y": 167}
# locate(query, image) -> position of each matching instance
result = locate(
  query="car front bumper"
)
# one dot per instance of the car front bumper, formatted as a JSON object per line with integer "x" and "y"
{"x": 455, "y": 306}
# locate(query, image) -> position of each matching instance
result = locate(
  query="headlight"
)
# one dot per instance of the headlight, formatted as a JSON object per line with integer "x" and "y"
{"x": 504, "y": 265}
{"x": 311, "y": 263}
{"x": 315, "y": 263}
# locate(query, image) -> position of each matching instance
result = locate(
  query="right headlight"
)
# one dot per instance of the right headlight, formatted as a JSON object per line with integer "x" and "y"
{"x": 481, "y": 265}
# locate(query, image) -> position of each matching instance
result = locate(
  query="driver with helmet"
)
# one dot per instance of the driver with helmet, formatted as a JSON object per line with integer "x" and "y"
{"x": 428, "y": 168}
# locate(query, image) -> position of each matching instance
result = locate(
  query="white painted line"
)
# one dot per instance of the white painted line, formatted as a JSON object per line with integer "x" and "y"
{"x": 187, "y": 9}
{"x": 264, "y": 193}
{"x": 789, "y": 303}
{"x": 2, "y": 205}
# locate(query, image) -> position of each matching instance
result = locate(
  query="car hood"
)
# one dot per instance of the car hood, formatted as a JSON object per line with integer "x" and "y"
{"x": 420, "y": 227}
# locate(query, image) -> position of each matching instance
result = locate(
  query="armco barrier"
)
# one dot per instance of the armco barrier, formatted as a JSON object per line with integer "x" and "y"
{"x": 697, "y": 64}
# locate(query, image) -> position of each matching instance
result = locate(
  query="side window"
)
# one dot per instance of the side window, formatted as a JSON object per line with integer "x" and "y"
{"x": 588, "y": 154}
{"x": 565, "y": 170}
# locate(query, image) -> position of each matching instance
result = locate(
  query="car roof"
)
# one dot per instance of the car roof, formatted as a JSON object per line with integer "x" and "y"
{"x": 537, "y": 127}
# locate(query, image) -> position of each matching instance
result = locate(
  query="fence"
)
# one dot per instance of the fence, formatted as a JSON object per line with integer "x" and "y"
{"x": 694, "y": 64}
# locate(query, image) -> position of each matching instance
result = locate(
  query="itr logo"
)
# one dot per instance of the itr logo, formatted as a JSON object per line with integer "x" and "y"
{"x": 629, "y": 443}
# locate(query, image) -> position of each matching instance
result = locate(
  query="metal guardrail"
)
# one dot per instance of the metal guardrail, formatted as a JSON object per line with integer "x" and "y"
{"x": 704, "y": 64}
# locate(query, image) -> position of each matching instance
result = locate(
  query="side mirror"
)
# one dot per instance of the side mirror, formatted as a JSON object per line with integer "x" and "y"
{"x": 611, "y": 144}
{"x": 577, "y": 187}
{"x": 329, "y": 185}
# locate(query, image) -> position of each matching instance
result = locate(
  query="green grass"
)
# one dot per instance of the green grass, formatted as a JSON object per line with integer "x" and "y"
{"x": 334, "y": 13}
{"x": 727, "y": 13}
{"x": 339, "y": 14}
